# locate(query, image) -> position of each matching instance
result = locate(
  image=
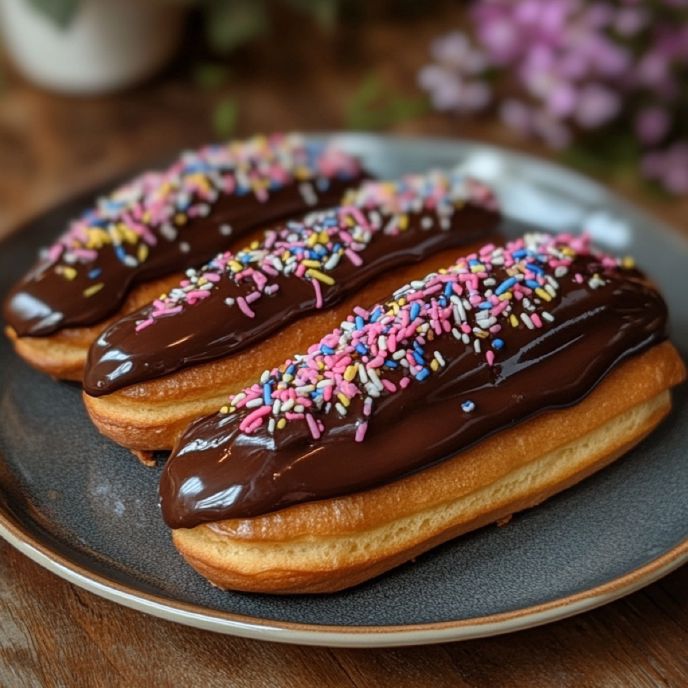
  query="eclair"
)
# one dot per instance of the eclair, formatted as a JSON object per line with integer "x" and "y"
{"x": 156, "y": 369}
{"x": 119, "y": 255}
{"x": 464, "y": 397}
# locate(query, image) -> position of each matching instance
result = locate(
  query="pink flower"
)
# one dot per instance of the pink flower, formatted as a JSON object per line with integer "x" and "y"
{"x": 652, "y": 124}
{"x": 669, "y": 167}
{"x": 596, "y": 106}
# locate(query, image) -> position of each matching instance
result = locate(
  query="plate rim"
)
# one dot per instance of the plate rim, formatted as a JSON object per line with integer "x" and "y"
{"x": 19, "y": 536}
{"x": 289, "y": 632}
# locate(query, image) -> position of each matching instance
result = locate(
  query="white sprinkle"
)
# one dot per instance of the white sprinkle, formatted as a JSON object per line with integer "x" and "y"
{"x": 426, "y": 223}
{"x": 271, "y": 426}
{"x": 168, "y": 231}
{"x": 525, "y": 318}
{"x": 476, "y": 346}
{"x": 229, "y": 301}
{"x": 254, "y": 403}
{"x": 440, "y": 359}
{"x": 225, "y": 229}
{"x": 560, "y": 271}
{"x": 547, "y": 316}
{"x": 308, "y": 193}
{"x": 341, "y": 409}
{"x": 184, "y": 247}
{"x": 264, "y": 377}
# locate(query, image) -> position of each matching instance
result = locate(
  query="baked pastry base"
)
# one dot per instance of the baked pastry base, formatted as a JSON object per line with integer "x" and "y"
{"x": 333, "y": 544}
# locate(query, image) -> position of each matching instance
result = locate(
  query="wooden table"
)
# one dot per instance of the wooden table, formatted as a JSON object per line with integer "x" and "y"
{"x": 54, "y": 634}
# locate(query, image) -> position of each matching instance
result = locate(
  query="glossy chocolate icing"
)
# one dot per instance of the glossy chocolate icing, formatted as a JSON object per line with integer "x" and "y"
{"x": 269, "y": 179}
{"x": 218, "y": 471}
{"x": 210, "y": 329}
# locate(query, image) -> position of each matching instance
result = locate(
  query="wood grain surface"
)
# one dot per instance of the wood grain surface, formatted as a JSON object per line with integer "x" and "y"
{"x": 54, "y": 634}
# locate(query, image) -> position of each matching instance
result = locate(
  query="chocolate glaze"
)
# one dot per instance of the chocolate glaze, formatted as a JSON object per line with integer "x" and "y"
{"x": 43, "y": 302}
{"x": 218, "y": 472}
{"x": 209, "y": 329}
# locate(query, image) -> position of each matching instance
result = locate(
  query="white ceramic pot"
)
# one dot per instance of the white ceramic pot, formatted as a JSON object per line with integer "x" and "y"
{"x": 110, "y": 44}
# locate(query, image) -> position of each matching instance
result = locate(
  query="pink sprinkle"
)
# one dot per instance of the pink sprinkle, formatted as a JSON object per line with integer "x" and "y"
{"x": 313, "y": 426}
{"x": 143, "y": 324}
{"x": 198, "y": 294}
{"x": 212, "y": 276}
{"x": 252, "y": 417}
{"x": 489, "y": 356}
{"x": 404, "y": 382}
{"x": 535, "y": 318}
{"x": 361, "y": 431}
{"x": 318, "y": 293}
{"x": 353, "y": 257}
{"x": 244, "y": 307}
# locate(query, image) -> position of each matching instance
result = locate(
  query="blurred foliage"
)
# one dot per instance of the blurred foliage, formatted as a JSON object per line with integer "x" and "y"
{"x": 59, "y": 11}
{"x": 375, "y": 105}
{"x": 225, "y": 117}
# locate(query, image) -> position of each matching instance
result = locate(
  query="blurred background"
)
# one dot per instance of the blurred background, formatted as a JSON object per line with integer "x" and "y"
{"x": 91, "y": 88}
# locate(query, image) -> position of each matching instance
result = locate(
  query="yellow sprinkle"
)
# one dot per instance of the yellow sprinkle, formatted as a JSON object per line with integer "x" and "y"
{"x": 236, "y": 266}
{"x": 323, "y": 238}
{"x": 142, "y": 253}
{"x": 543, "y": 294}
{"x": 224, "y": 409}
{"x": 344, "y": 399}
{"x": 513, "y": 320}
{"x": 67, "y": 272}
{"x": 180, "y": 218}
{"x": 320, "y": 276}
{"x": 442, "y": 271}
{"x": 311, "y": 263}
{"x": 477, "y": 268}
{"x": 281, "y": 423}
{"x": 434, "y": 364}
{"x": 627, "y": 262}
{"x": 403, "y": 222}
{"x": 350, "y": 373}
{"x": 254, "y": 245}
{"x": 402, "y": 301}
{"x": 93, "y": 289}
{"x": 506, "y": 296}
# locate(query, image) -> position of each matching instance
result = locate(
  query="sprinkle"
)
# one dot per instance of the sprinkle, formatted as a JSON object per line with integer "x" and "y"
{"x": 361, "y": 431}
{"x": 244, "y": 307}
{"x": 468, "y": 406}
{"x": 93, "y": 289}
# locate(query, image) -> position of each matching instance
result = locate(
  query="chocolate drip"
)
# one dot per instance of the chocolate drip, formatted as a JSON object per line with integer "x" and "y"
{"x": 44, "y": 302}
{"x": 218, "y": 471}
{"x": 210, "y": 329}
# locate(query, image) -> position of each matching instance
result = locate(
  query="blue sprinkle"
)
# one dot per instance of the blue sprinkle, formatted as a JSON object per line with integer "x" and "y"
{"x": 120, "y": 252}
{"x": 505, "y": 285}
{"x": 241, "y": 190}
{"x": 415, "y": 310}
{"x": 485, "y": 305}
{"x": 361, "y": 348}
{"x": 419, "y": 359}
{"x": 360, "y": 323}
{"x": 422, "y": 374}
{"x": 448, "y": 289}
{"x": 290, "y": 370}
{"x": 534, "y": 267}
{"x": 376, "y": 315}
{"x": 391, "y": 363}
{"x": 498, "y": 344}
{"x": 267, "y": 394}
{"x": 326, "y": 349}
{"x": 521, "y": 253}
{"x": 418, "y": 347}
{"x": 468, "y": 406}
{"x": 96, "y": 272}
{"x": 532, "y": 284}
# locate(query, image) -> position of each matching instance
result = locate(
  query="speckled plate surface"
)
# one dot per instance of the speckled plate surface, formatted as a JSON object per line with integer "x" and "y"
{"x": 87, "y": 510}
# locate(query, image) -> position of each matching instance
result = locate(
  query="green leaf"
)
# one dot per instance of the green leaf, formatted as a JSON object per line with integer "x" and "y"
{"x": 376, "y": 106}
{"x": 210, "y": 75}
{"x": 61, "y": 12}
{"x": 325, "y": 12}
{"x": 225, "y": 117}
{"x": 231, "y": 23}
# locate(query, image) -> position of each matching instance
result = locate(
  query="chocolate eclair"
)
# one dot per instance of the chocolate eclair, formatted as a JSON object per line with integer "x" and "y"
{"x": 153, "y": 371}
{"x": 111, "y": 260}
{"x": 473, "y": 393}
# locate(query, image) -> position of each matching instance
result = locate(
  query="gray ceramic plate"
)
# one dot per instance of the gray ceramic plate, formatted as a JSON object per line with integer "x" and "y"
{"x": 86, "y": 509}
